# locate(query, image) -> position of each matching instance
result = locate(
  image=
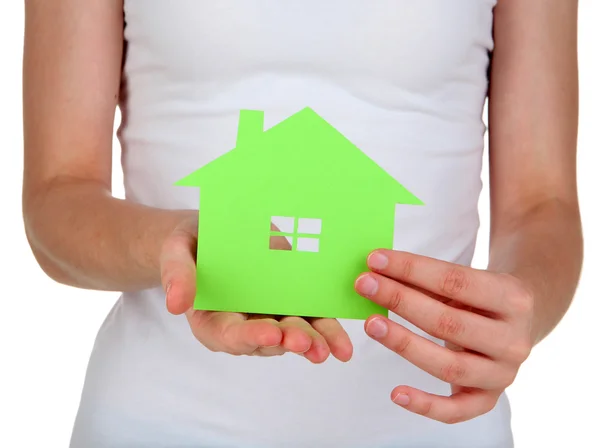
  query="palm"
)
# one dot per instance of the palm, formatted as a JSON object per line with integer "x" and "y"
{"x": 239, "y": 333}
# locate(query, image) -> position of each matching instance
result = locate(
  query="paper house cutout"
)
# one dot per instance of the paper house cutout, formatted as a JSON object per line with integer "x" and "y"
{"x": 332, "y": 202}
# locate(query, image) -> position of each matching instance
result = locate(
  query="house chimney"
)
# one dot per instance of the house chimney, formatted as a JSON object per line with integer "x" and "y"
{"x": 250, "y": 126}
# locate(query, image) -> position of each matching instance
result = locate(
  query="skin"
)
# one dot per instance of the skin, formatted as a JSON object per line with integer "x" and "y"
{"x": 71, "y": 75}
{"x": 490, "y": 319}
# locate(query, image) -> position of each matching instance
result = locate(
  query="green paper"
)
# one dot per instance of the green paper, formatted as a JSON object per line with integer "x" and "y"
{"x": 338, "y": 205}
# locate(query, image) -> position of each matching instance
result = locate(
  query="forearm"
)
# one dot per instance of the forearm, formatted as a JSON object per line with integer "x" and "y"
{"x": 543, "y": 247}
{"x": 83, "y": 237}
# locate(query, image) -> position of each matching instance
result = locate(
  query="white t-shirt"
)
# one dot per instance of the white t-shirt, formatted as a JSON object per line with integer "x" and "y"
{"x": 405, "y": 81}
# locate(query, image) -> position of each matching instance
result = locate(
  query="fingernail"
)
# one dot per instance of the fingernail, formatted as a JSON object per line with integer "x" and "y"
{"x": 402, "y": 399}
{"x": 167, "y": 289}
{"x": 377, "y": 328}
{"x": 377, "y": 261}
{"x": 367, "y": 285}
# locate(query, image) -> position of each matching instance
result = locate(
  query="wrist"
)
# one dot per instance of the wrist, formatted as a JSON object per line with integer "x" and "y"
{"x": 146, "y": 247}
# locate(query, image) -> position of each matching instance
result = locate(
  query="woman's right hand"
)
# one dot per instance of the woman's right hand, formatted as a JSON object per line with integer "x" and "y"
{"x": 238, "y": 333}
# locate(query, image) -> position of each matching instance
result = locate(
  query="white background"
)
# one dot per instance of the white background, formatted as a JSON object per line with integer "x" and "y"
{"x": 47, "y": 330}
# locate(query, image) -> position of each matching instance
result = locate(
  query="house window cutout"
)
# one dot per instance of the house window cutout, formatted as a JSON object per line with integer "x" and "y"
{"x": 302, "y": 234}
{"x": 283, "y": 224}
{"x": 310, "y": 226}
{"x": 280, "y": 242}
{"x": 308, "y": 245}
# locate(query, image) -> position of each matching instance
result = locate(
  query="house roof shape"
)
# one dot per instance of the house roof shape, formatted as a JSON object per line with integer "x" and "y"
{"x": 303, "y": 149}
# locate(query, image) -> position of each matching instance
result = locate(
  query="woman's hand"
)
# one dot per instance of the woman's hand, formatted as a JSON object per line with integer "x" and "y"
{"x": 237, "y": 333}
{"x": 484, "y": 317}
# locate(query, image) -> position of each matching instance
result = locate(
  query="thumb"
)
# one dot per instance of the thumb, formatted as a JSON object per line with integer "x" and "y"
{"x": 178, "y": 269}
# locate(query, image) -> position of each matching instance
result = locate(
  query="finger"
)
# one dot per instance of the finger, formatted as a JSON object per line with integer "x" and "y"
{"x": 295, "y": 338}
{"x": 268, "y": 352}
{"x": 300, "y": 337}
{"x": 462, "y": 368}
{"x": 277, "y": 350}
{"x": 459, "y": 407}
{"x": 464, "y": 328}
{"x": 335, "y": 336}
{"x": 178, "y": 271}
{"x": 476, "y": 288}
{"x": 261, "y": 316}
{"x": 233, "y": 333}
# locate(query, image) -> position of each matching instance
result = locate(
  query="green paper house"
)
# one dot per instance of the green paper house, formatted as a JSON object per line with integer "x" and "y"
{"x": 331, "y": 201}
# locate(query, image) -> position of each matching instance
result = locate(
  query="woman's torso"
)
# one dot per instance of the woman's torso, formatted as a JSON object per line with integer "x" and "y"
{"x": 405, "y": 81}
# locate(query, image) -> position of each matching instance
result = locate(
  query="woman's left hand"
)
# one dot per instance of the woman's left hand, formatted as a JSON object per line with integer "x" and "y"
{"x": 484, "y": 317}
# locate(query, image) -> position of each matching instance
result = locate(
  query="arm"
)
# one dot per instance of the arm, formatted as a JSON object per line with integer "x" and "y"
{"x": 79, "y": 233}
{"x": 490, "y": 319}
{"x": 536, "y": 228}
